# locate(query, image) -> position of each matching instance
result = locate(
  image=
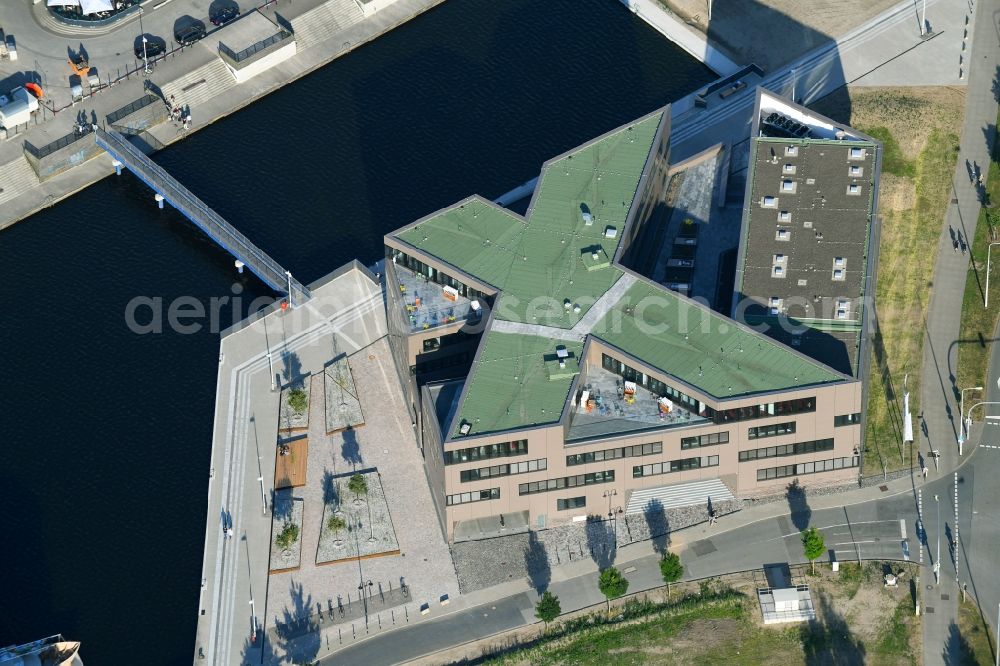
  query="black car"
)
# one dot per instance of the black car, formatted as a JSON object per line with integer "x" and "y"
{"x": 225, "y": 15}
{"x": 153, "y": 49}
{"x": 190, "y": 34}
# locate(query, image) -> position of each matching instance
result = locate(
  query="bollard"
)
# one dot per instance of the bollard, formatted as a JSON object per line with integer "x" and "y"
{"x": 118, "y": 167}
{"x": 159, "y": 200}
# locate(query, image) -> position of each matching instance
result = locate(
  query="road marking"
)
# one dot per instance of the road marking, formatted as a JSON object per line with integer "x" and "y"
{"x": 902, "y": 529}
{"x": 830, "y": 527}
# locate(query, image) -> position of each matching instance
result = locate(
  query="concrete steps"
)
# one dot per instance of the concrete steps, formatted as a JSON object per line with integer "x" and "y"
{"x": 217, "y": 80}
{"x": 679, "y": 494}
{"x": 324, "y": 21}
{"x": 16, "y": 178}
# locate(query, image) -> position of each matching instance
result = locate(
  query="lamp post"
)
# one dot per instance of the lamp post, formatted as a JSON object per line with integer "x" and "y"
{"x": 937, "y": 558}
{"x": 968, "y": 418}
{"x": 291, "y": 299}
{"x": 963, "y": 429}
{"x": 142, "y": 34}
{"x": 986, "y": 296}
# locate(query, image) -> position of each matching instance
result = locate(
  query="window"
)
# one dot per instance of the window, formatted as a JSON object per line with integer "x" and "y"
{"x": 788, "y": 186}
{"x": 856, "y": 170}
{"x": 838, "y": 274}
{"x": 777, "y": 271}
{"x": 788, "y": 168}
{"x": 782, "y": 235}
{"x": 784, "y": 216}
{"x": 545, "y": 486}
{"x": 571, "y": 503}
{"x": 773, "y": 430}
{"x": 501, "y": 450}
{"x": 467, "y": 475}
{"x": 838, "y": 261}
{"x": 705, "y": 440}
{"x": 769, "y": 202}
{"x": 857, "y": 153}
{"x": 611, "y": 454}
{"x": 474, "y": 496}
{"x": 779, "y": 258}
{"x": 846, "y": 419}
{"x": 783, "y": 471}
{"x": 854, "y": 189}
{"x": 670, "y": 466}
{"x": 796, "y": 449}
{"x": 791, "y": 151}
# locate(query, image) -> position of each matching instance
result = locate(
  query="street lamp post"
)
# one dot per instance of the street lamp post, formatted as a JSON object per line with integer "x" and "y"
{"x": 145, "y": 60}
{"x": 963, "y": 430}
{"x": 968, "y": 418}
{"x": 937, "y": 558}
{"x": 986, "y": 295}
{"x": 614, "y": 525}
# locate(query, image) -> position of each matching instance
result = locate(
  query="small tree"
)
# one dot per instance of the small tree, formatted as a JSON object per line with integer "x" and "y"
{"x": 289, "y": 534}
{"x": 671, "y": 569}
{"x": 298, "y": 400}
{"x": 612, "y": 584}
{"x": 358, "y": 485}
{"x": 335, "y": 524}
{"x": 812, "y": 545}
{"x": 548, "y": 608}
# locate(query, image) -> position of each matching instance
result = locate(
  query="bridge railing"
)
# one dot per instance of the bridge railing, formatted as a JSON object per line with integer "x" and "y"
{"x": 198, "y": 212}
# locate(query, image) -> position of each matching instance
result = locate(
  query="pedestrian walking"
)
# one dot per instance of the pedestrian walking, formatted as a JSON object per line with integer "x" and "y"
{"x": 924, "y": 470}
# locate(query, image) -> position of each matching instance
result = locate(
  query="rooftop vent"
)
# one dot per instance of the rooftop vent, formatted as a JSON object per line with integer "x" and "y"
{"x": 464, "y": 428}
{"x": 588, "y": 219}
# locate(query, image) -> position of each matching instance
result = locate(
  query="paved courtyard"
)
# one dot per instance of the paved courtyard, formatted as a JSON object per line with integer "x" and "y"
{"x": 317, "y": 598}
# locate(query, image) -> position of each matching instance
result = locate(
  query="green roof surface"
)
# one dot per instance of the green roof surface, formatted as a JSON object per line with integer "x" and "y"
{"x": 703, "y": 348}
{"x": 510, "y": 386}
{"x": 541, "y": 255}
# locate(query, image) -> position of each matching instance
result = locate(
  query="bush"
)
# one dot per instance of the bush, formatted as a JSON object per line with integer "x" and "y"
{"x": 358, "y": 485}
{"x": 298, "y": 400}
{"x": 289, "y": 534}
{"x": 335, "y": 523}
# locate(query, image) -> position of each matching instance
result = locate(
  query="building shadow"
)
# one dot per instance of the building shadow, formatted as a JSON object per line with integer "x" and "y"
{"x": 536, "y": 562}
{"x": 656, "y": 521}
{"x": 601, "y": 542}
{"x": 827, "y": 640}
{"x": 350, "y": 449}
{"x": 798, "y": 506}
{"x": 297, "y": 631}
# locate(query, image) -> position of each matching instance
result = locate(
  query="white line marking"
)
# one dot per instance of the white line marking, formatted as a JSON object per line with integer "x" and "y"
{"x": 902, "y": 528}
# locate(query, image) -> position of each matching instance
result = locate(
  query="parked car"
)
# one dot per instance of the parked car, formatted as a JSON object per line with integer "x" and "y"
{"x": 190, "y": 34}
{"x": 154, "y": 47}
{"x": 225, "y": 15}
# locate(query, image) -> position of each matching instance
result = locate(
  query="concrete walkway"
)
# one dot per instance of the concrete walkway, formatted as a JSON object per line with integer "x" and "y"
{"x": 939, "y": 396}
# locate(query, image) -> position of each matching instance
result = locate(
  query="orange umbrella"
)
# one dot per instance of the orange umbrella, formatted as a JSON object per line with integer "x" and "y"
{"x": 35, "y": 89}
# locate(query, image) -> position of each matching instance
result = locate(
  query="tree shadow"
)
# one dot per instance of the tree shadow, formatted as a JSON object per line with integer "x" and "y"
{"x": 957, "y": 651}
{"x": 350, "y": 450}
{"x": 331, "y": 490}
{"x": 601, "y": 542}
{"x": 281, "y": 505}
{"x": 297, "y": 632}
{"x": 827, "y": 640}
{"x": 798, "y": 506}
{"x": 536, "y": 562}
{"x": 656, "y": 520}
{"x": 292, "y": 369}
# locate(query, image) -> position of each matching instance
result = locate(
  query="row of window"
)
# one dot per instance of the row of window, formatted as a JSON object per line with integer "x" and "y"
{"x": 500, "y": 450}
{"x": 674, "y": 466}
{"x": 816, "y": 467}
{"x": 507, "y": 469}
{"x": 434, "y": 275}
{"x": 705, "y": 440}
{"x": 773, "y": 430}
{"x": 566, "y": 482}
{"x": 655, "y": 386}
{"x": 787, "y": 450}
{"x": 611, "y": 454}
{"x": 571, "y": 503}
{"x": 474, "y": 496}
{"x": 846, "y": 419}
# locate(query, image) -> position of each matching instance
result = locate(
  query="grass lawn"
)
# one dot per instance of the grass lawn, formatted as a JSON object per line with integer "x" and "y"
{"x": 975, "y": 638}
{"x": 978, "y": 323}
{"x": 919, "y": 128}
{"x": 858, "y": 622}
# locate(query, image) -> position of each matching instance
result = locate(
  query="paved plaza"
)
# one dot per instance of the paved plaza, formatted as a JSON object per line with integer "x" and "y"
{"x": 384, "y": 448}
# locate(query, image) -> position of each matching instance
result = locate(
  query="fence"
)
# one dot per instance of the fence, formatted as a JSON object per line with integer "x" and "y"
{"x": 58, "y": 144}
{"x": 253, "y": 49}
{"x": 129, "y": 109}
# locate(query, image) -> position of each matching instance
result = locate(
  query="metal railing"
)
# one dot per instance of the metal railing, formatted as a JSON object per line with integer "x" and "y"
{"x": 58, "y": 144}
{"x": 262, "y": 265}
{"x": 129, "y": 109}
{"x": 253, "y": 49}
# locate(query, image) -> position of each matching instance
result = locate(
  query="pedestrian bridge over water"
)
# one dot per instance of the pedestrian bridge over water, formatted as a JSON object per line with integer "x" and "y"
{"x": 218, "y": 229}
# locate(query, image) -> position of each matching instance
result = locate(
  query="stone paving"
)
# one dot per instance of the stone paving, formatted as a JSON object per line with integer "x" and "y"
{"x": 343, "y": 408}
{"x": 386, "y": 443}
{"x": 488, "y": 562}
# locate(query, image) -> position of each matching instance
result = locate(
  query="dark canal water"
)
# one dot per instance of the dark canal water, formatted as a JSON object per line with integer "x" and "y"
{"x": 106, "y": 433}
